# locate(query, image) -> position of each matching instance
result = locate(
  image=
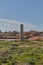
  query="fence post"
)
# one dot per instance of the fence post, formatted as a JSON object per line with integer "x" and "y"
{"x": 22, "y": 32}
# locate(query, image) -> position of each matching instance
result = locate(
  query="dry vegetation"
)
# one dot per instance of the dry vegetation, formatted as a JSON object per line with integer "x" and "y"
{"x": 31, "y": 35}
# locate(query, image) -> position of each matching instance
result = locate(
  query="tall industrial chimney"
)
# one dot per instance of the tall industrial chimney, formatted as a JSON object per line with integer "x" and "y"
{"x": 22, "y": 32}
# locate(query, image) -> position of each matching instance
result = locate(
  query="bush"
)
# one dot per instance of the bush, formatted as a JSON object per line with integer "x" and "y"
{"x": 31, "y": 63}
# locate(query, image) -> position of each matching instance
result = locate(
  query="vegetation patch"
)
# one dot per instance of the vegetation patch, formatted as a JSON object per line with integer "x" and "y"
{"x": 21, "y": 53}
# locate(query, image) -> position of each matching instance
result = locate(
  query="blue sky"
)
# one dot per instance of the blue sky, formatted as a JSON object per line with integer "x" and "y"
{"x": 28, "y": 12}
